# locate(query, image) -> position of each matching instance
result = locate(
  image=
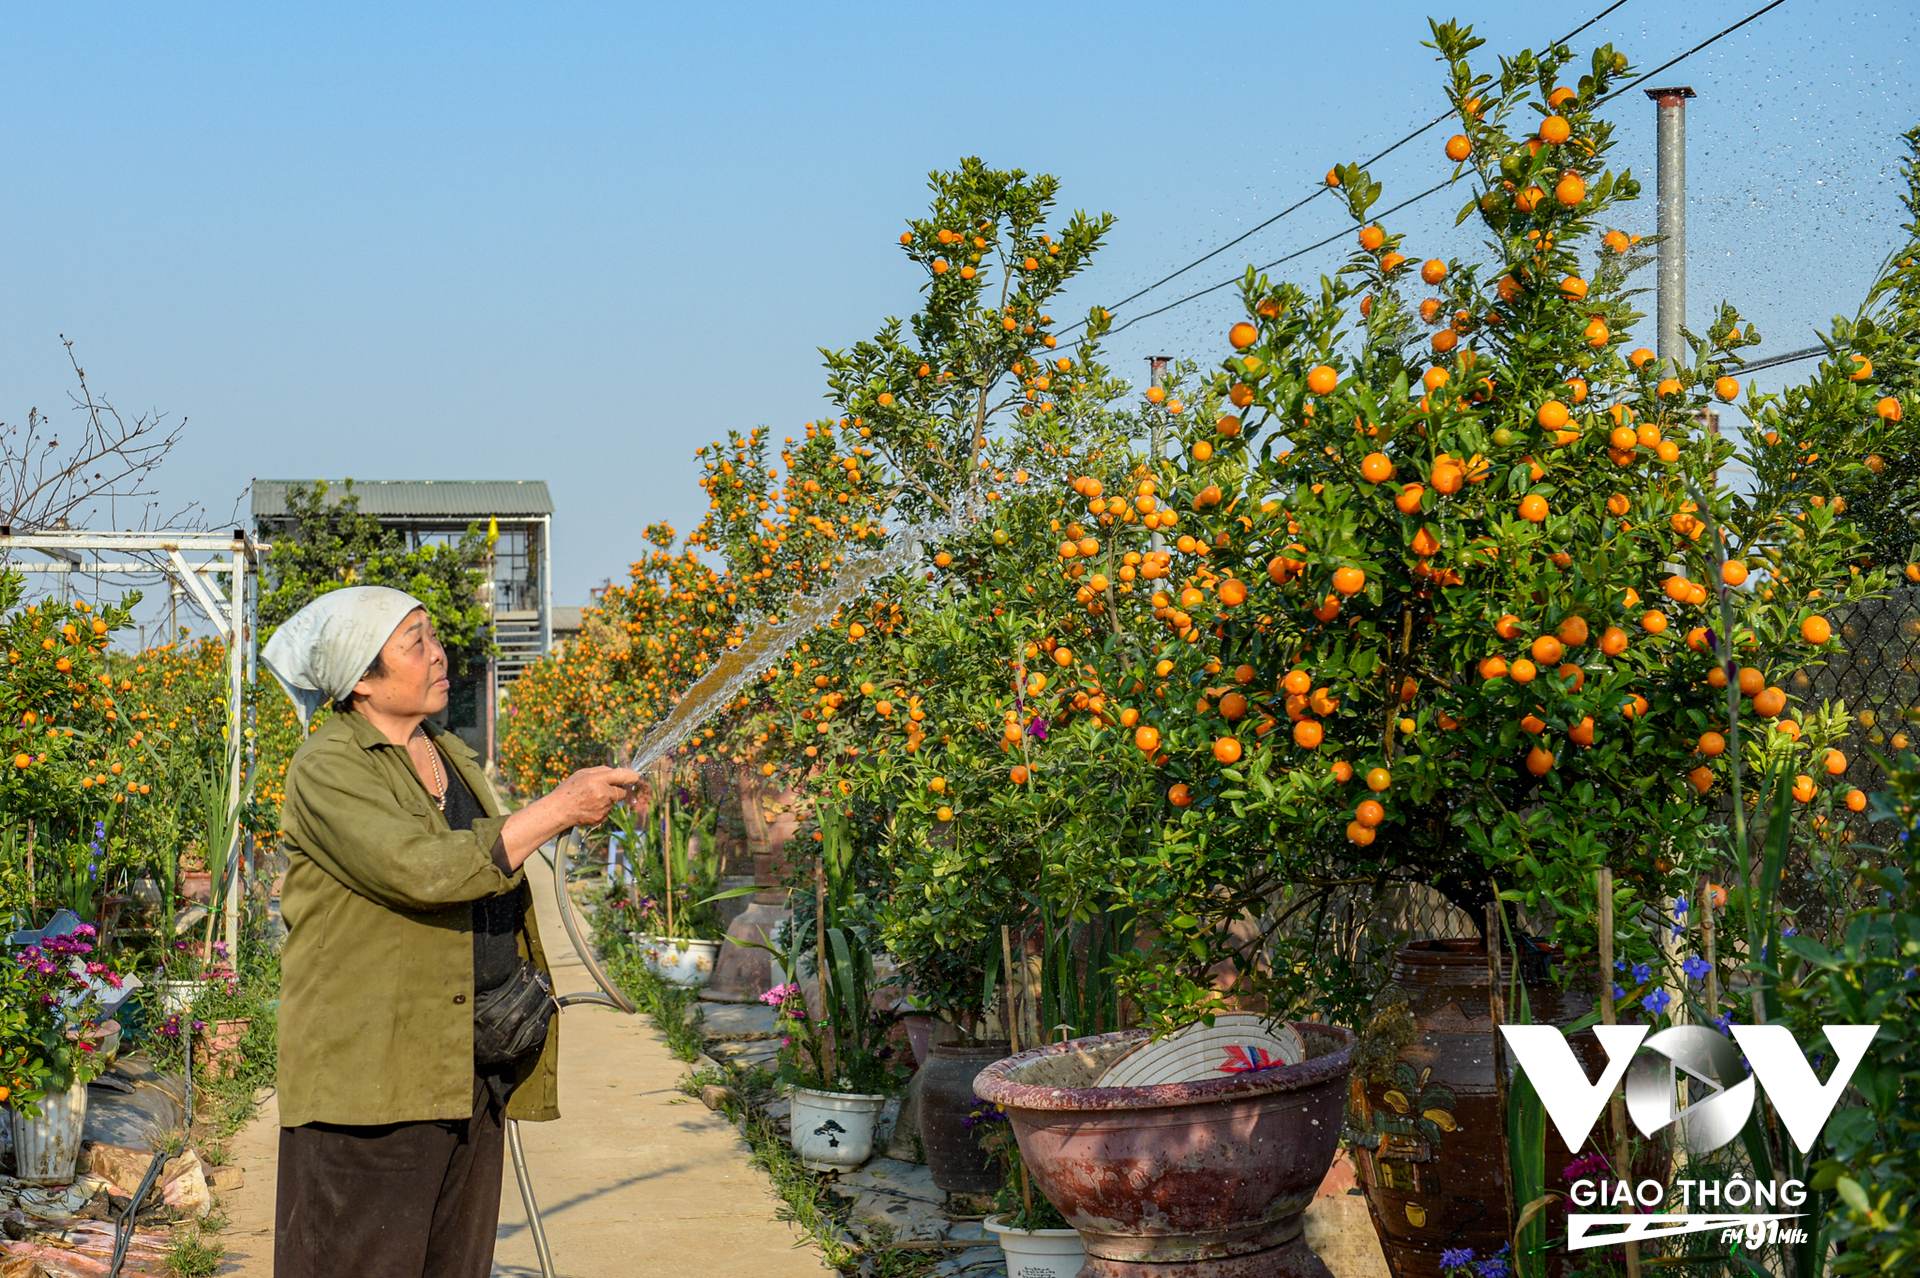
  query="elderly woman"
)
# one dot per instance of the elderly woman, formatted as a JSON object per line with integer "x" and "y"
{"x": 416, "y": 1013}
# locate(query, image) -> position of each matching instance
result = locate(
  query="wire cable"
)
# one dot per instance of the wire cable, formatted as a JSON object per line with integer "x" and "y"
{"x": 1322, "y": 190}
{"x": 1690, "y": 52}
{"x": 1773, "y": 361}
{"x": 1430, "y": 190}
{"x": 1318, "y": 244}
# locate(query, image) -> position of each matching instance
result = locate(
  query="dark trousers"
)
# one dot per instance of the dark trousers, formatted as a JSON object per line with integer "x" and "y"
{"x": 403, "y": 1200}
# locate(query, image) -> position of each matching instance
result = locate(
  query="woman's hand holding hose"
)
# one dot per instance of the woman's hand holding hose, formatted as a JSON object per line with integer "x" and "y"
{"x": 583, "y": 799}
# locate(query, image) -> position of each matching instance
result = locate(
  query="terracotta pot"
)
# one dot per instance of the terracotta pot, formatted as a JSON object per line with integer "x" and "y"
{"x": 919, "y": 1036}
{"x": 743, "y": 973}
{"x": 219, "y": 1048}
{"x": 955, "y": 1158}
{"x": 1432, "y": 1159}
{"x": 1182, "y": 1180}
{"x": 196, "y": 885}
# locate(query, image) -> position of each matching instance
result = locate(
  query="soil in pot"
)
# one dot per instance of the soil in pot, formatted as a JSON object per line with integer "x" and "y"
{"x": 1183, "y": 1180}
{"x": 954, "y": 1156}
{"x": 1431, "y": 1158}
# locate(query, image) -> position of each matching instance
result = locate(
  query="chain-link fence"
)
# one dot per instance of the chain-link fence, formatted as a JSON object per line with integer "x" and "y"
{"x": 1877, "y": 679}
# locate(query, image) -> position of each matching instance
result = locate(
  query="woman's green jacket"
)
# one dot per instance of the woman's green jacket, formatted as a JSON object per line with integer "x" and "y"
{"x": 376, "y": 977}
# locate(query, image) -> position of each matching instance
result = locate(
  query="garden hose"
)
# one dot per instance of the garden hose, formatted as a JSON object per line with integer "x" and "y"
{"x": 124, "y": 1234}
{"x": 608, "y": 995}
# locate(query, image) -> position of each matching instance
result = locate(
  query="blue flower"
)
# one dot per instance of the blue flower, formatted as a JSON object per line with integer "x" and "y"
{"x": 1679, "y": 907}
{"x": 1642, "y": 973}
{"x": 1724, "y": 1021}
{"x": 1456, "y": 1257}
{"x": 1619, "y": 965}
{"x": 1494, "y": 1266}
{"x": 1789, "y": 931}
{"x": 1696, "y": 967}
{"x": 1657, "y": 1001}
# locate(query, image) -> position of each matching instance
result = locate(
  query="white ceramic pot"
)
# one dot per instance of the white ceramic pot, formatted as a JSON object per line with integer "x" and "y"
{"x": 45, "y": 1149}
{"x": 178, "y": 997}
{"x": 833, "y": 1131}
{"x": 1038, "y": 1253}
{"x": 683, "y": 962}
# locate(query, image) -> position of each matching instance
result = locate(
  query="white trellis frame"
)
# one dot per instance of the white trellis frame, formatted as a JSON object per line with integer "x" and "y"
{"x": 232, "y": 613}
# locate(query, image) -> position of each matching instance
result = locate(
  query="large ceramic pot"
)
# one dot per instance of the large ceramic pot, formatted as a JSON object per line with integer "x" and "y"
{"x": 1182, "y": 1180}
{"x": 954, "y": 1156}
{"x": 1431, "y": 1157}
{"x": 46, "y": 1148}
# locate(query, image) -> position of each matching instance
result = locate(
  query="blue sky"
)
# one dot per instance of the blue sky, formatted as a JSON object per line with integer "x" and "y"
{"x": 572, "y": 242}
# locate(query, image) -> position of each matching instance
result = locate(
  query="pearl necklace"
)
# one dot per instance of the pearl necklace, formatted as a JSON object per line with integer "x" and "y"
{"x": 433, "y": 758}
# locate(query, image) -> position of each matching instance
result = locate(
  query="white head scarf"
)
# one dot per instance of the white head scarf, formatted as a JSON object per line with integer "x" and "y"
{"x": 320, "y": 652}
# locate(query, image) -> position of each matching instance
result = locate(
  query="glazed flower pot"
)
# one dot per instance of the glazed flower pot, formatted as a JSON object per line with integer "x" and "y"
{"x": 178, "y": 997}
{"x": 1180, "y": 1180}
{"x": 685, "y": 963}
{"x": 1038, "y": 1253}
{"x": 954, "y": 1156}
{"x": 833, "y": 1131}
{"x": 46, "y": 1148}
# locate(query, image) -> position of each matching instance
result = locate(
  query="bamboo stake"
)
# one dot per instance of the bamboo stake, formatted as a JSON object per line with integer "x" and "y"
{"x": 1013, "y": 1012}
{"x": 1616, "y": 1112}
{"x": 1496, "y": 1012}
{"x": 1707, "y": 938}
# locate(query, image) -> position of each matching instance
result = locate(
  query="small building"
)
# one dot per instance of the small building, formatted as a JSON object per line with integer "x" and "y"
{"x": 519, "y": 588}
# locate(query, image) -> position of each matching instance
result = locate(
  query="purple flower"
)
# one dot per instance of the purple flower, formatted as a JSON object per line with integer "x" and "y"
{"x": 1587, "y": 1165}
{"x": 1494, "y": 1266}
{"x": 1789, "y": 931}
{"x": 1696, "y": 967}
{"x": 1657, "y": 1001}
{"x": 1724, "y": 1021}
{"x": 1642, "y": 973}
{"x": 984, "y": 1112}
{"x": 1038, "y": 729}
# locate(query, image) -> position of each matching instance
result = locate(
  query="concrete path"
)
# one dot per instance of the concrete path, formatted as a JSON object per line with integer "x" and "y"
{"x": 634, "y": 1179}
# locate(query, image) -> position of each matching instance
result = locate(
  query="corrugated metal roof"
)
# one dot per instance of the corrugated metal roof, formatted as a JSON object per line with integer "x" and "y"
{"x": 419, "y": 498}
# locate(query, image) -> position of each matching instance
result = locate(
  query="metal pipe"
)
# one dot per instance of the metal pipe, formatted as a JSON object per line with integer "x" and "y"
{"x": 1672, "y": 223}
{"x": 1157, "y": 366}
{"x": 534, "y": 1224}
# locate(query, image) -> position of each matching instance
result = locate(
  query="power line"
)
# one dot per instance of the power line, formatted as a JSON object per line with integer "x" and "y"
{"x": 1322, "y": 190}
{"x": 1337, "y": 235}
{"x": 1690, "y": 52}
{"x": 1788, "y": 358}
{"x": 1443, "y": 185}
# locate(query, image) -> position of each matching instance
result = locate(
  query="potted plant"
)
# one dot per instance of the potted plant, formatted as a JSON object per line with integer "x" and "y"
{"x": 1212, "y": 1176}
{"x": 679, "y": 888}
{"x": 62, "y": 994}
{"x": 1035, "y": 1237}
{"x": 841, "y": 1063}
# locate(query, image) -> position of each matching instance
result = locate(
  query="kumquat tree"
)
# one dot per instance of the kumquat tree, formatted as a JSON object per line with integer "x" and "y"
{"x": 1447, "y": 608}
